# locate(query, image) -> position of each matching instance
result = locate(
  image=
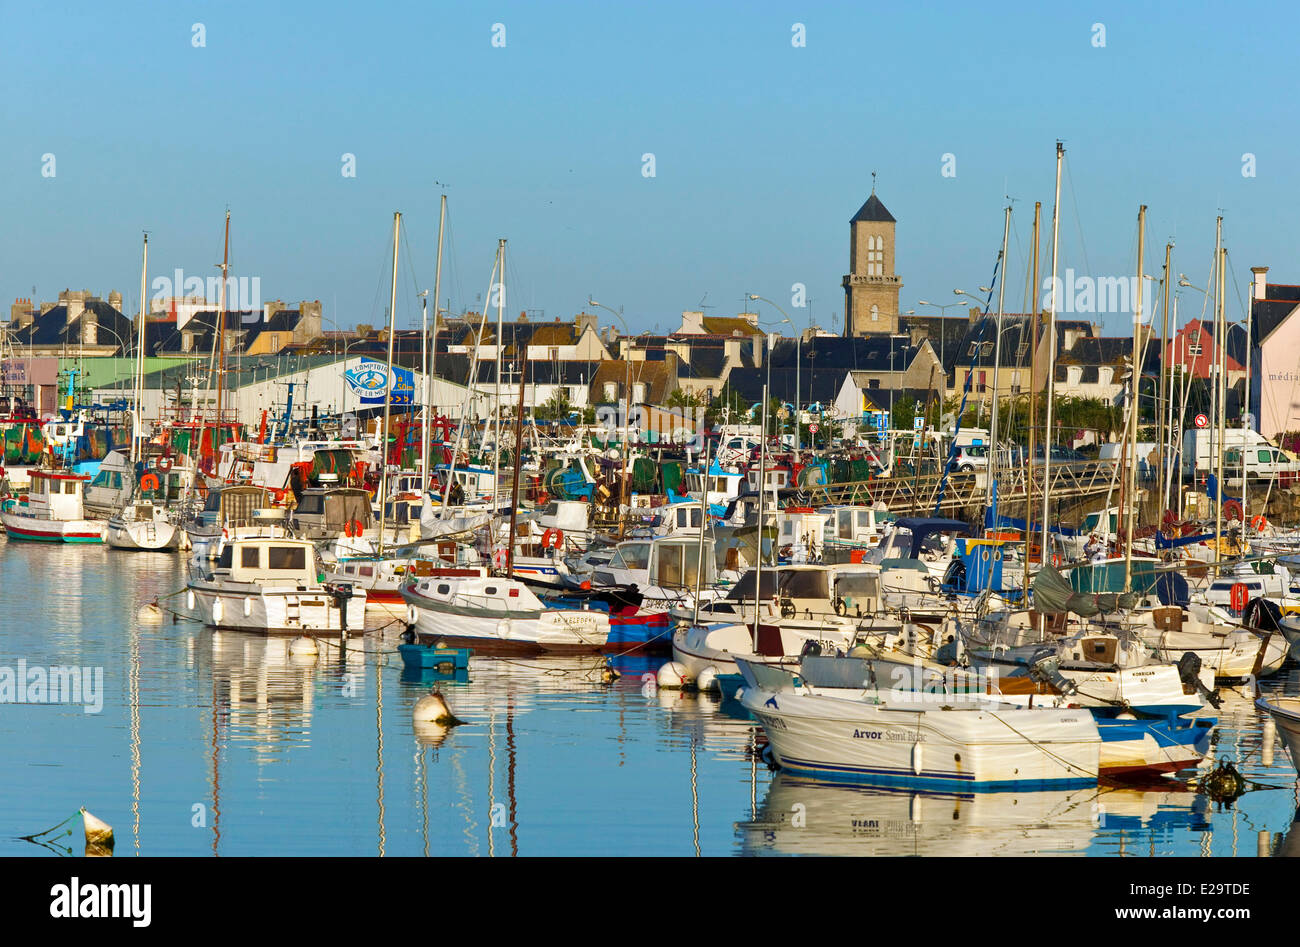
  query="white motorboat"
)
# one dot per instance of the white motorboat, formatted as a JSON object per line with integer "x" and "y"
{"x": 270, "y": 585}
{"x": 468, "y": 608}
{"x": 937, "y": 741}
{"x": 1285, "y": 712}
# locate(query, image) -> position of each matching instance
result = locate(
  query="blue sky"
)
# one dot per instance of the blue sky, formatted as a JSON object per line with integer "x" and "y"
{"x": 763, "y": 151}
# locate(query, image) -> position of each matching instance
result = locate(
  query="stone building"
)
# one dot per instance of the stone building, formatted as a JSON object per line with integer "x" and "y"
{"x": 871, "y": 287}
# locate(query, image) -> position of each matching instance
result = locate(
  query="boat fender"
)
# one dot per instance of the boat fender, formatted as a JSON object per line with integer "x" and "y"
{"x": 218, "y": 612}
{"x": 412, "y": 615}
{"x": 917, "y": 761}
{"x": 503, "y": 628}
{"x": 189, "y": 600}
{"x": 353, "y": 529}
{"x": 248, "y": 605}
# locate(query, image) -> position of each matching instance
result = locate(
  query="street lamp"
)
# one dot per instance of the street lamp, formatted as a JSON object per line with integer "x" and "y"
{"x": 943, "y": 314}
{"x": 798, "y": 394}
{"x": 627, "y": 393}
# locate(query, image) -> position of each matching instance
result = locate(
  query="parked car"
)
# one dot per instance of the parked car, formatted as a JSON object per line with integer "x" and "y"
{"x": 971, "y": 457}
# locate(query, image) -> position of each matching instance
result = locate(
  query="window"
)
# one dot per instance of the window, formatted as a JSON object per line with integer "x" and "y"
{"x": 875, "y": 258}
{"x": 875, "y": 313}
{"x": 988, "y": 349}
{"x": 1194, "y": 350}
{"x": 250, "y": 557}
{"x": 873, "y": 383}
{"x": 638, "y": 392}
{"x": 974, "y": 347}
{"x": 611, "y": 391}
{"x": 286, "y": 557}
{"x": 70, "y": 487}
{"x": 1022, "y": 350}
{"x": 490, "y": 590}
{"x": 980, "y": 386}
{"x": 1265, "y": 456}
{"x": 226, "y": 558}
{"x": 444, "y": 588}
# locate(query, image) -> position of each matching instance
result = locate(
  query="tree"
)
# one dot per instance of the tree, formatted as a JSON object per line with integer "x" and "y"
{"x": 728, "y": 408}
{"x": 556, "y": 408}
{"x": 364, "y": 329}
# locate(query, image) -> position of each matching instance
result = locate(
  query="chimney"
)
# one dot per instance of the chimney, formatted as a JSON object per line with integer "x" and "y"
{"x": 1260, "y": 281}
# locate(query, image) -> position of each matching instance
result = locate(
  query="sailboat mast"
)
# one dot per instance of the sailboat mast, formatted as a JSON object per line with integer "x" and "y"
{"x": 137, "y": 448}
{"x": 997, "y": 365}
{"x": 1162, "y": 431}
{"x": 1135, "y": 406}
{"x": 1218, "y": 382}
{"x": 496, "y": 400}
{"x": 388, "y": 389}
{"x": 221, "y": 332}
{"x": 432, "y": 342}
{"x": 1034, "y": 310}
{"x": 518, "y": 465}
{"x": 1051, "y": 356}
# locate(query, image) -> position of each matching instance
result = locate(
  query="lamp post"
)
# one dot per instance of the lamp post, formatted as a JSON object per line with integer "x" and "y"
{"x": 798, "y": 395}
{"x": 627, "y": 392}
{"x": 943, "y": 314}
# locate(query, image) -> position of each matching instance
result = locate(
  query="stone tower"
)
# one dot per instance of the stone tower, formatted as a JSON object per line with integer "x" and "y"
{"x": 871, "y": 287}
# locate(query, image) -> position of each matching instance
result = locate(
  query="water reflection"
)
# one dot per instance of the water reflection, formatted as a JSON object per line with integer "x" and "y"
{"x": 316, "y": 756}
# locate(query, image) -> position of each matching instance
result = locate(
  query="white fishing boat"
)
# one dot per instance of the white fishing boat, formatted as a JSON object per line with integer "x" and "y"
{"x": 143, "y": 526}
{"x": 52, "y": 512}
{"x": 1285, "y": 712}
{"x": 468, "y": 608}
{"x": 271, "y": 585}
{"x": 937, "y": 741}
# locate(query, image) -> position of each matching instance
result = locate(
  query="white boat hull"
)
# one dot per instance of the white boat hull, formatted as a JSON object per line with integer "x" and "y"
{"x": 144, "y": 535}
{"x": 914, "y": 742}
{"x": 273, "y": 610}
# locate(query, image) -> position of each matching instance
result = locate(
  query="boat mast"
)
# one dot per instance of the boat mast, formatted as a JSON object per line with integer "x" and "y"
{"x": 1034, "y": 313}
{"x": 470, "y": 382}
{"x": 514, "y": 481}
{"x": 432, "y": 343}
{"x": 221, "y": 333}
{"x": 137, "y": 449}
{"x": 1135, "y": 407}
{"x": 1218, "y": 383}
{"x": 704, "y": 518}
{"x": 1051, "y": 357}
{"x": 388, "y": 389}
{"x": 997, "y": 365}
{"x": 1162, "y": 430}
{"x": 762, "y": 477}
{"x": 496, "y": 400}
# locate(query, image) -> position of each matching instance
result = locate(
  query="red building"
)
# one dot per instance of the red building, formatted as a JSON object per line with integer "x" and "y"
{"x": 1193, "y": 350}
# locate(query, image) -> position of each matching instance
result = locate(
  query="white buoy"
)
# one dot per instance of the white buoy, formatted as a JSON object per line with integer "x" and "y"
{"x": 302, "y": 645}
{"x": 151, "y": 614}
{"x": 671, "y": 676}
{"x": 432, "y": 708}
{"x": 707, "y": 681}
{"x": 98, "y": 832}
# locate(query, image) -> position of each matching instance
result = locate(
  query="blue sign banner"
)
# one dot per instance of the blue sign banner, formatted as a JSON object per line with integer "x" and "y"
{"x": 371, "y": 380}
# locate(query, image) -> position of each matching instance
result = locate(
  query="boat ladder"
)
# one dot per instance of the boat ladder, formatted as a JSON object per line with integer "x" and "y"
{"x": 292, "y": 608}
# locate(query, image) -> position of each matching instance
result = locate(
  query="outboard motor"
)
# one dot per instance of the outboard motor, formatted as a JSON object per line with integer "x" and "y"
{"x": 1189, "y": 672}
{"x": 1047, "y": 669}
{"x": 811, "y": 649}
{"x": 1262, "y": 615}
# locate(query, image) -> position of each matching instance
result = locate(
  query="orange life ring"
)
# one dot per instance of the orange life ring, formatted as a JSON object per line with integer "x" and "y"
{"x": 1232, "y": 510}
{"x": 1239, "y": 597}
{"x": 149, "y": 482}
{"x": 353, "y": 529}
{"x": 553, "y": 538}
{"x": 1259, "y": 523}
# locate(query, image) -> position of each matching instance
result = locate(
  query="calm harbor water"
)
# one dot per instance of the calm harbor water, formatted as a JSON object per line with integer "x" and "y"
{"x": 221, "y": 743}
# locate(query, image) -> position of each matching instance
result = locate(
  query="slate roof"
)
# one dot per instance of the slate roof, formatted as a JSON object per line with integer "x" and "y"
{"x": 51, "y": 328}
{"x": 873, "y": 210}
{"x": 1267, "y": 314}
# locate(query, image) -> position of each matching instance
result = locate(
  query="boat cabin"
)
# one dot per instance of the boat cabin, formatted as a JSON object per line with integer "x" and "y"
{"x": 56, "y": 495}
{"x": 276, "y": 561}
{"x": 325, "y": 513}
